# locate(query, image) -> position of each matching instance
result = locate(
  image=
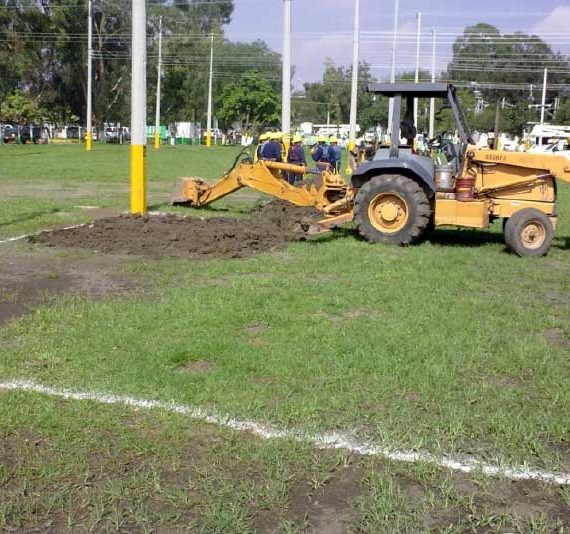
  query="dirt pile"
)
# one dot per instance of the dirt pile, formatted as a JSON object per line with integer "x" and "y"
{"x": 270, "y": 227}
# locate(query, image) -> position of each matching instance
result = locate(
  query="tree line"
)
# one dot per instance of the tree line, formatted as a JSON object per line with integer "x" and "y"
{"x": 43, "y": 51}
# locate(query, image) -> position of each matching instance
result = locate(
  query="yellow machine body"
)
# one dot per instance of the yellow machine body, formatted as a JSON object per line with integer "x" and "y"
{"x": 505, "y": 182}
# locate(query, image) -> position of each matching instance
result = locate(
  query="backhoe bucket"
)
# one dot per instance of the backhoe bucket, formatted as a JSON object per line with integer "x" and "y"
{"x": 187, "y": 191}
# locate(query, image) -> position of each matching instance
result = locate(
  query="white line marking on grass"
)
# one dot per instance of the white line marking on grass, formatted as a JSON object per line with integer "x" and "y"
{"x": 17, "y": 238}
{"x": 320, "y": 441}
{"x": 20, "y": 237}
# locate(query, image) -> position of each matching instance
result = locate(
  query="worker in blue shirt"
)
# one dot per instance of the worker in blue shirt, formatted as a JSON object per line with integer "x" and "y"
{"x": 335, "y": 155}
{"x": 272, "y": 150}
{"x": 320, "y": 154}
{"x": 263, "y": 138}
{"x": 296, "y": 156}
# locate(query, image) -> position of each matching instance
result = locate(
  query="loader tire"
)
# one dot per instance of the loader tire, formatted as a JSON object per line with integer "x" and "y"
{"x": 529, "y": 232}
{"x": 392, "y": 209}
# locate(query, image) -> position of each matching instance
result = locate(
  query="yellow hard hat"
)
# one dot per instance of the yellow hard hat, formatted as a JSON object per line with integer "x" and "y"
{"x": 333, "y": 139}
{"x": 322, "y": 139}
{"x": 297, "y": 139}
{"x": 276, "y": 135}
{"x": 263, "y": 137}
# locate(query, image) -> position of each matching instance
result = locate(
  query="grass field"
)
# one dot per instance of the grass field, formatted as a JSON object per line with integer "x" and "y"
{"x": 453, "y": 347}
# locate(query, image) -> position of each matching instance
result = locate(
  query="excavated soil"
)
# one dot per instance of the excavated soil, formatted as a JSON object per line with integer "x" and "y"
{"x": 270, "y": 227}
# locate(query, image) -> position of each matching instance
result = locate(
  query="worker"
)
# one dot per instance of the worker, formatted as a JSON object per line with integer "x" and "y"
{"x": 296, "y": 156}
{"x": 334, "y": 154}
{"x": 263, "y": 138}
{"x": 282, "y": 145}
{"x": 272, "y": 150}
{"x": 320, "y": 154}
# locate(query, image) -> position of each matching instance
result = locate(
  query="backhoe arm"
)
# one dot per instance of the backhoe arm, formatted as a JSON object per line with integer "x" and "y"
{"x": 264, "y": 176}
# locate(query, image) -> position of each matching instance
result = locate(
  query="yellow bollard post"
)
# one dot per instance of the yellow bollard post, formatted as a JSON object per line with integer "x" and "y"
{"x": 156, "y": 139}
{"x": 208, "y": 138}
{"x": 138, "y": 180}
{"x": 88, "y": 141}
{"x": 351, "y": 145}
{"x": 286, "y": 142}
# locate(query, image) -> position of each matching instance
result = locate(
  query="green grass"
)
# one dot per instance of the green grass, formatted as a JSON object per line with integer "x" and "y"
{"x": 44, "y": 186}
{"x": 441, "y": 347}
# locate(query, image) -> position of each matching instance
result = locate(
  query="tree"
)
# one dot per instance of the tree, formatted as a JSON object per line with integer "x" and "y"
{"x": 332, "y": 96}
{"x": 483, "y": 55}
{"x": 250, "y": 101}
{"x": 20, "y": 108}
{"x": 562, "y": 116}
{"x": 185, "y": 86}
{"x": 43, "y": 50}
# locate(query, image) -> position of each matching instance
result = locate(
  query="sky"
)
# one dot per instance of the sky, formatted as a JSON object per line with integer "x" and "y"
{"x": 323, "y": 28}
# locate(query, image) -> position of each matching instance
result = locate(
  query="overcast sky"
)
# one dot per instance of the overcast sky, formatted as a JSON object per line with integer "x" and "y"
{"x": 322, "y": 28}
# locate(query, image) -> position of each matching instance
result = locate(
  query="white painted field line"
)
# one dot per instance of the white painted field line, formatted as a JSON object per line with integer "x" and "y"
{"x": 320, "y": 441}
{"x": 25, "y": 236}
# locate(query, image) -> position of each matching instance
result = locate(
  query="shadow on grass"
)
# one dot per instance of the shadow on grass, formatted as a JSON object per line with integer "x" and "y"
{"x": 470, "y": 238}
{"x": 17, "y": 155}
{"x": 478, "y": 238}
{"x": 30, "y": 217}
{"x": 464, "y": 238}
{"x": 562, "y": 243}
{"x": 336, "y": 234}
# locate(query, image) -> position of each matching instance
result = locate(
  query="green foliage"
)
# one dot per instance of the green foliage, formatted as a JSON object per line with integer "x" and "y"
{"x": 563, "y": 114}
{"x": 43, "y": 50}
{"x": 332, "y": 95}
{"x": 20, "y": 108}
{"x": 185, "y": 84}
{"x": 484, "y": 55}
{"x": 250, "y": 101}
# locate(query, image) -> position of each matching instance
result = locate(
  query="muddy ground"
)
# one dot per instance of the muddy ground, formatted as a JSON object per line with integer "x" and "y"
{"x": 35, "y": 277}
{"x": 269, "y": 228}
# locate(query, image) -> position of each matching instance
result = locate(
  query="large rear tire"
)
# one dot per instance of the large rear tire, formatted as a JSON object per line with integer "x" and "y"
{"x": 529, "y": 232}
{"x": 392, "y": 209}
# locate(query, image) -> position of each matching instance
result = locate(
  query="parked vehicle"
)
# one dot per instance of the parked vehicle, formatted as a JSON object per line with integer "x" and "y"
{"x": 9, "y": 133}
{"x": 116, "y": 133}
{"x": 543, "y": 135}
{"x": 33, "y": 134}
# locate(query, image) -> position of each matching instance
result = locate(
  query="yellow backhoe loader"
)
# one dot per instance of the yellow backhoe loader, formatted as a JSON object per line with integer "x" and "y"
{"x": 398, "y": 195}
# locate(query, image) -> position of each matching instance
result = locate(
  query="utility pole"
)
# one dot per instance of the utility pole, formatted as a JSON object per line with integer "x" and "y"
{"x": 158, "y": 87}
{"x": 393, "y": 65}
{"x": 286, "y": 88}
{"x": 355, "y": 62}
{"x": 432, "y": 101}
{"x": 209, "y": 124}
{"x": 138, "y": 109}
{"x": 496, "y": 142}
{"x": 543, "y": 107}
{"x": 417, "y": 77}
{"x": 88, "y": 133}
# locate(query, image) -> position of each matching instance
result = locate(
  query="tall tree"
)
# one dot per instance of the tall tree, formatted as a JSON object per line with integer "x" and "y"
{"x": 250, "y": 101}
{"x": 332, "y": 96}
{"x": 482, "y": 54}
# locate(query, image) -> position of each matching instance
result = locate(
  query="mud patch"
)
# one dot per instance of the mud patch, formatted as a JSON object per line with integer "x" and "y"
{"x": 269, "y": 228}
{"x": 557, "y": 337}
{"x": 17, "y": 298}
{"x": 32, "y": 279}
{"x": 329, "y": 509}
{"x": 255, "y": 329}
{"x": 198, "y": 367}
{"x": 352, "y": 314}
